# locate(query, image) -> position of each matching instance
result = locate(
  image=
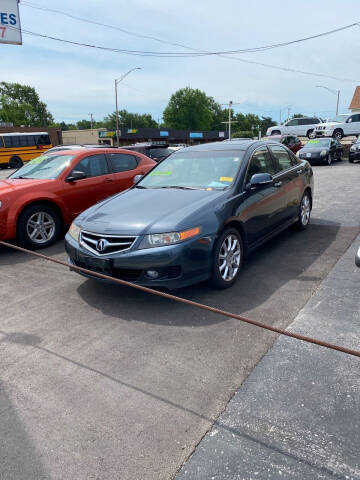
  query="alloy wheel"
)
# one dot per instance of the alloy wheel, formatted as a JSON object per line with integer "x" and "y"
{"x": 41, "y": 227}
{"x": 305, "y": 209}
{"x": 229, "y": 258}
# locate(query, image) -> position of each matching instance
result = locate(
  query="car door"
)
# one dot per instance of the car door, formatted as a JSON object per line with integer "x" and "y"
{"x": 124, "y": 167}
{"x": 96, "y": 186}
{"x": 352, "y": 125}
{"x": 338, "y": 148}
{"x": 260, "y": 210}
{"x": 287, "y": 178}
{"x": 291, "y": 127}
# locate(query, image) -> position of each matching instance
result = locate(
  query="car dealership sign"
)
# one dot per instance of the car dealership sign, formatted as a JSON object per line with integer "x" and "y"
{"x": 10, "y": 29}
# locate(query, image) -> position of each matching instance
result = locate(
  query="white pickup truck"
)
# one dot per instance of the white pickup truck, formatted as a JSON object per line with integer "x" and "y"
{"x": 302, "y": 127}
{"x": 339, "y": 127}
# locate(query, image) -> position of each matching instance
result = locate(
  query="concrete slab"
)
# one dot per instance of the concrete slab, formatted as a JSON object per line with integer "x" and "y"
{"x": 298, "y": 414}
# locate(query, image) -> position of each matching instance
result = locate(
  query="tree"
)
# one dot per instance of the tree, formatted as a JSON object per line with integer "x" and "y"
{"x": 265, "y": 123}
{"x": 192, "y": 109}
{"x": 129, "y": 120}
{"x": 21, "y": 105}
{"x": 83, "y": 124}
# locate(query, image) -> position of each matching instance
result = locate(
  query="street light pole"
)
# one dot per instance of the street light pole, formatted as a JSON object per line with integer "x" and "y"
{"x": 230, "y": 103}
{"x": 117, "y": 81}
{"x": 335, "y": 92}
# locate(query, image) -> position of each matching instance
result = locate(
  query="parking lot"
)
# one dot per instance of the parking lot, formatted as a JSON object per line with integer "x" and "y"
{"x": 102, "y": 381}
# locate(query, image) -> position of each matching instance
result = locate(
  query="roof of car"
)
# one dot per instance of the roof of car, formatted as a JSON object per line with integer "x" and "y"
{"x": 82, "y": 150}
{"x": 232, "y": 145}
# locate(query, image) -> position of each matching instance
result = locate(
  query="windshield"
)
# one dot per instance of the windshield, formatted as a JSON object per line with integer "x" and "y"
{"x": 339, "y": 118}
{"x": 44, "y": 167}
{"x": 210, "y": 170}
{"x": 321, "y": 142}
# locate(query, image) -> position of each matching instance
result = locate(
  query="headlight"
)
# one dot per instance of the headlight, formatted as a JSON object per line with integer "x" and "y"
{"x": 74, "y": 232}
{"x": 323, "y": 153}
{"x": 161, "y": 239}
{"x": 352, "y": 149}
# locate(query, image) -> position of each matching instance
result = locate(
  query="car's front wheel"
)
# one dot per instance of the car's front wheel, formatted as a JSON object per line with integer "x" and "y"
{"x": 304, "y": 212}
{"x": 38, "y": 227}
{"x": 228, "y": 258}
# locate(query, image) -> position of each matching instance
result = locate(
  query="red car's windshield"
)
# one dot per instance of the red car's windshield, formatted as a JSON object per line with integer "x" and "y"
{"x": 44, "y": 167}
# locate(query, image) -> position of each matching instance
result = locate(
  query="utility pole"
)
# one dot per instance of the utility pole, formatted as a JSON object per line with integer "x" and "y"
{"x": 117, "y": 81}
{"x": 230, "y": 104}
{"x": 91, "y": 120}
{"x": 288, "y": 113}
{"x": 335, "y": 92}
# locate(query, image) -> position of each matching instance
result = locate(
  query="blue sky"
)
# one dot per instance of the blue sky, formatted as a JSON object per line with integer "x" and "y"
{"x": 75, "y": 81}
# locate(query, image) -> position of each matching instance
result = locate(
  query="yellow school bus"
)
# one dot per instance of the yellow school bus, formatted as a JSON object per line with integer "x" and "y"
{"x": 18, "y": 148}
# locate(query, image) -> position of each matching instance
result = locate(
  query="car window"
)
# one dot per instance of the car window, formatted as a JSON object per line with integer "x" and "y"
{"x": 282, "y": 158}
{"x": 355, "y": 118}
{"x": 93, "y": 166}
{"x": 293, "y": 122}
{"x": 121, "y": 162}
{"x": 260, "y": 162}
{"x": 286, "y": 141}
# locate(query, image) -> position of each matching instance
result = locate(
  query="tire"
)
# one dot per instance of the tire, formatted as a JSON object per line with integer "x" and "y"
{"x": 276, "y": 132}
{"x": 309, "y": 133}
{"x": 340, "y": 156}
{"x": 304, "y": 212}
{"x": 338, "y": 134}
{"x": 225, "y": 265}
{"x": 351, "y": 160}
{"x": 38, "y": 226}
{"x": 15, "y": 162}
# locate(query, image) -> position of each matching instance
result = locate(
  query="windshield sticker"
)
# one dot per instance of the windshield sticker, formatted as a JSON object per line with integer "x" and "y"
{"x": 313, "y": 141}
{"x": 160, "y": 173}
{"x": 226, "y": 179}
{"x": 37, "y": 160}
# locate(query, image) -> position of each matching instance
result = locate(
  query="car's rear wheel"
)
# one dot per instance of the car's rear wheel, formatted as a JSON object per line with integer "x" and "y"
{"x": 304, "y": 212}
{"x": 228, "y": 258}
{"x": 310, "y": 133}
{"x": 15, "y": 162}
{"x": 39, "y": 226}
{"x": 340, "y": 156}
{"x": 276, "y": 132}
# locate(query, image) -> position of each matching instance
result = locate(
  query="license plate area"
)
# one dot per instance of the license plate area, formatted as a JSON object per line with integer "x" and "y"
{"x": 99, "y": 265}
{"x": 308, "y": 155}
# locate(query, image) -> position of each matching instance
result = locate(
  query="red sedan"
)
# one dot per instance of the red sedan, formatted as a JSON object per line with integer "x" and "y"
{"x": 292, "y": 142}
{"x": 42, "y": 197}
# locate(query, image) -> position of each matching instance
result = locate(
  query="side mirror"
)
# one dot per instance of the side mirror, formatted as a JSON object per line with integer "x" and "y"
{"x": 76, "y": 175}
{"x": 260, "y": 180}
{"x": 137, "y": 178}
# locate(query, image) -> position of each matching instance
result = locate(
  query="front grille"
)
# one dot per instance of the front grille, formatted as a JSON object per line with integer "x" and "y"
{"x": 102, "y": 244}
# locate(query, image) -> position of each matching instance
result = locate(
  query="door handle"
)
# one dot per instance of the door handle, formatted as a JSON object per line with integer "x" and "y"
{"x": 278, "y": 184}
{"x": 108, "y": 180}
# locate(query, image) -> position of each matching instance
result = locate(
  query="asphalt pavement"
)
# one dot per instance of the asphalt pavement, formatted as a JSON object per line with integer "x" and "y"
{"x": 105, "y": 382}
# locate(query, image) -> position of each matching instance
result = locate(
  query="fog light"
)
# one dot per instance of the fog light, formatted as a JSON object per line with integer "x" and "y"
{"x": 152, "y": 273}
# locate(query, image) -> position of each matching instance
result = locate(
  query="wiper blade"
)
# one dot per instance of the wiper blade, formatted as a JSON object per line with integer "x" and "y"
{"x": 181, "y": 188}
{"x": 139, "y": 186}
{"x": 22, "y": 177}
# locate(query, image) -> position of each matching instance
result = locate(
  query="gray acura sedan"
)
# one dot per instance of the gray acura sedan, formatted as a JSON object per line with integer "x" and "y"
{"x": 195, "y": 215}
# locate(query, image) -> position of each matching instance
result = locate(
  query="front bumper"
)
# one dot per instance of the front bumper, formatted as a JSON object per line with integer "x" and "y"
{"x": 324, "y": 133}
{"x": 178, "y": 265}
{"x": 315, "y": 157}
{"x": 354, "y": 155}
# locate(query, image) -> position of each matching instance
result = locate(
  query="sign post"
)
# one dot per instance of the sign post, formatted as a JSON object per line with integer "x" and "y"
{"x": 10, "y": 28}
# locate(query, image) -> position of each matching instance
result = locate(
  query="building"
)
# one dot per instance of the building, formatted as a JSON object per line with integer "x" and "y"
{"x": 77, "y": 137}
{"x": 355, "y": 102}
{"x": 160, "y": 135}
{"x": 54, "y": 133}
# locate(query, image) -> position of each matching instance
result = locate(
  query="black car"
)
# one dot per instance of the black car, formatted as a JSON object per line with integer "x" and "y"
{"x": 322, "y": 150}
{"x": 354, "y": 152}
{"x": 195, "y": 215}
{"x": 156, "y": 152}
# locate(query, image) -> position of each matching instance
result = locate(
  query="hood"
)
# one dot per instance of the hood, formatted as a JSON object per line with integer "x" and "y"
{"x": 10, "y": 185}
{"x": 139, "y": 211}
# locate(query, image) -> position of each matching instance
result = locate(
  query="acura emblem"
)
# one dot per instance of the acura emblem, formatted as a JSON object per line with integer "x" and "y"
{"x": 101, "y": 245}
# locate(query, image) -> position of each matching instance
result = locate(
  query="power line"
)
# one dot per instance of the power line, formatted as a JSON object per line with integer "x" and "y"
{"x": 166, "y": 55}
{"x": 198, "y": 52}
